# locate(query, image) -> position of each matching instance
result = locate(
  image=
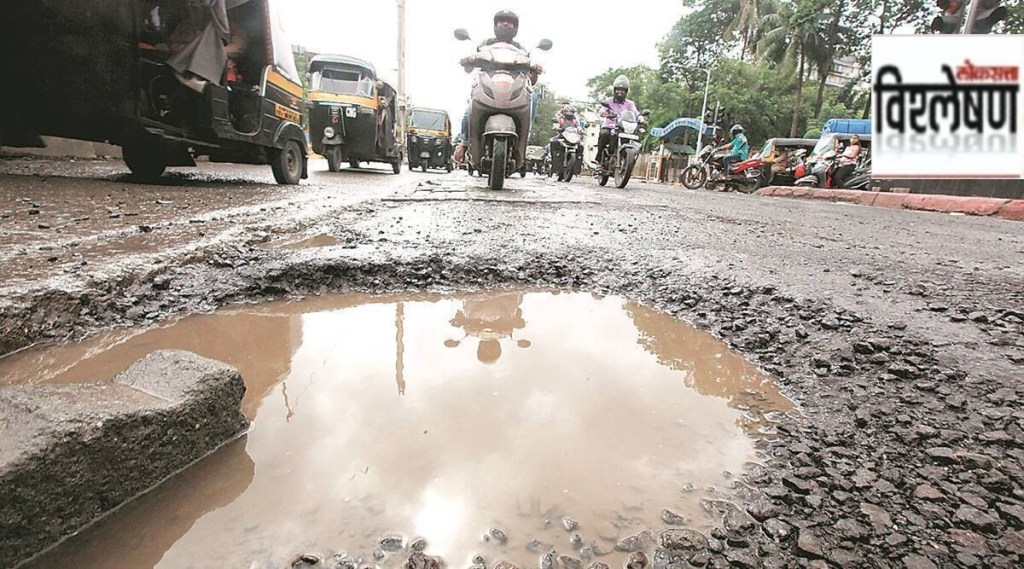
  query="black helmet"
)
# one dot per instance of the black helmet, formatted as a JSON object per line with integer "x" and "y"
{"x": 509, "y": 16}
{"x": 506, "y": 15}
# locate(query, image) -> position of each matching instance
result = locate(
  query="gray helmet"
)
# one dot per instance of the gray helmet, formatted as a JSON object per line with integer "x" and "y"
{"x": 736, "y": 128}
{"x": 621, "y": 82}
{"x": 506, "y": 15}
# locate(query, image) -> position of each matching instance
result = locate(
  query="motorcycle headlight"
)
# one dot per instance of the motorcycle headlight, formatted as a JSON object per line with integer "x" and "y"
{"x": 629, "y": 127}
{"x": 329, "y": 132}
{"x": 437, "y": 142}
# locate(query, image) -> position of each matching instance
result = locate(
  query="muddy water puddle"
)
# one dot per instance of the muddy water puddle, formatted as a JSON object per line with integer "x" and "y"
{"x": 441, "y": 417}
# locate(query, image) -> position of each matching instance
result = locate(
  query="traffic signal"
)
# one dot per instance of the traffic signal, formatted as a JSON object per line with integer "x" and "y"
{"x": 952, "y": 15}
{"x": 988, "y": 14}
{"x": 707, "y": 116}
{"x": 719, "y": 115}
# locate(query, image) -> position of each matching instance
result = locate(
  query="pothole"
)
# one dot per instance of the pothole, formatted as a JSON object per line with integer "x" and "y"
{"x": 440, "y": 417}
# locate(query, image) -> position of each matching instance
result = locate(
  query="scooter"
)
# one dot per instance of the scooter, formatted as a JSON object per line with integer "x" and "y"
{"x": 623, "y": 149}
{"x": 745, "y": 176}
{"x": 823, "y": 168}
{"x": 500, "y": 109}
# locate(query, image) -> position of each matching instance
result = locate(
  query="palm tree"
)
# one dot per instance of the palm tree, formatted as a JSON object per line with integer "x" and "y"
{"x": 795, "y": 37}
{"x": 746, "y": 22}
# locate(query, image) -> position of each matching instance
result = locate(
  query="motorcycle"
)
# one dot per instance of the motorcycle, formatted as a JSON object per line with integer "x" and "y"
{"x": 860, "y": 178}
{"x": 745, "y": 176}
{"x": 822, "y": 169}
{"x": 623, "y": 149}
{"x": 566, "y": 151}
{"x": 500, "y": 109}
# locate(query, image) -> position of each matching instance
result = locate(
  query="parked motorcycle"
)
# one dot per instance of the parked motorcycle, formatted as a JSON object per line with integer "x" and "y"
{"x": 745, "y": 176}
{"x": 566, "y": 151}
{"x": 500, "y": 109}
{"x": 822, "y": 169}
{"x": 860, "y": 178}
{"x": 623, "y": 149}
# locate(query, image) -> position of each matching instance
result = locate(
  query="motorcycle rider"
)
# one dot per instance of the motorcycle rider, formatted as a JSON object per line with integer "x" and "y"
{"x": 738, "y": 148}
{"x": 617, "y": 104}
{"x": 506, "y": 27}
{"x": 566, "y": 118}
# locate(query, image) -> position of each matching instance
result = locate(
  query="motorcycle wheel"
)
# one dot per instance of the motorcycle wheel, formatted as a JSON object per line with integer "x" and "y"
{"x": 423, "y": 166}
{"x": 624, "y": 171}
{"x": 354, "y": 164}
{"x": 602, "y": 179}
{"x": 567, "y": 167}
{"x": 694, "y": 177}
{"x": 499, "y": 155}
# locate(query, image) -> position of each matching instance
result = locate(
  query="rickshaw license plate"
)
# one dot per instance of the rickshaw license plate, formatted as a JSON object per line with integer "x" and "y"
{"x": 350, "y": 112}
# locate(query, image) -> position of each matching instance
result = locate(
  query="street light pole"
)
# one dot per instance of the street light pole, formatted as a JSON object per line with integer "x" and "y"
{"x": 703, "y": 112}
{"x": 401, "y": 69}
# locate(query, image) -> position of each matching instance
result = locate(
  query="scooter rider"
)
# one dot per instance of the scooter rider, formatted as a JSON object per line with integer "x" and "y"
{"x": 738, "y": 148}
{"x": 566, "y": 118}
{"x": 617, "y": 104}
{"x": 506, "y": 27}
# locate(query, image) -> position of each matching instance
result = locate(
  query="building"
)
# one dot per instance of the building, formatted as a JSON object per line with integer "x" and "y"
{"x": 844, "y": 70}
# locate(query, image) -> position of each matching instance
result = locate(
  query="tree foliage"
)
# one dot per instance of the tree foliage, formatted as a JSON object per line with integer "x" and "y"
{"x": 547, "y": 107}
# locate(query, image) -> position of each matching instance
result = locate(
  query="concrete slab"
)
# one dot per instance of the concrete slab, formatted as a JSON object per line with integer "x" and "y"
{"x": 71, "y": 454}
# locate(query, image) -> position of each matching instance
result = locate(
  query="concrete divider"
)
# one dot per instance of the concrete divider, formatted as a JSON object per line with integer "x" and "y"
{"x": 72, "y": 453}
{"x": 1012, "y": 210}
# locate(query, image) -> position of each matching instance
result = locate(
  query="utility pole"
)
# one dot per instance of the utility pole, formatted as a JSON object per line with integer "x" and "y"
{"x": 703, "y": 111}
{"x": 401, "y": 71}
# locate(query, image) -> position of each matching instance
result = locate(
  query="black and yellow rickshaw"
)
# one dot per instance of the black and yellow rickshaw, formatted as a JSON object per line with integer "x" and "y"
{"x": 430, "y": 139}
{"x": 167, "y": 80}
{"x": 352, "y": 113}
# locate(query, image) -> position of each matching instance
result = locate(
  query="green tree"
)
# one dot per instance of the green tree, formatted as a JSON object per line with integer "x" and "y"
{"x": 547, "y": 108}
{"x": 796, "y": 42}
{"x": 302, "y": 58}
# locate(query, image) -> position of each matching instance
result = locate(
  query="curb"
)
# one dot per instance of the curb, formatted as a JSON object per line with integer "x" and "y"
{"x": 1011, "y": 210}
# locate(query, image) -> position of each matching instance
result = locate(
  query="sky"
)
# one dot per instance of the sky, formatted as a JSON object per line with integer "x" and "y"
{"x": 589, "y": 38}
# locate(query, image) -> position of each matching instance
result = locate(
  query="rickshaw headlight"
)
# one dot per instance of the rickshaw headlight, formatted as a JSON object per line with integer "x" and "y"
{"x": 415, "y": 139}
{"x": 329, "y": 132}
{"x": 437, "y": 142}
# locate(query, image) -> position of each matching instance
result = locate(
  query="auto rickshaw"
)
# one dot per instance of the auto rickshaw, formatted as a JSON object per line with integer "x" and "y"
{"x": 352, "y": 114}
{"x": 430, "y": 139}
{"x": 781, "y": 157}
{"x": 167, "y": 80}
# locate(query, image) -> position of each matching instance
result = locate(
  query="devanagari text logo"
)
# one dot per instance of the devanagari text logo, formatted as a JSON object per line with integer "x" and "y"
{"x": 930, "y": 121}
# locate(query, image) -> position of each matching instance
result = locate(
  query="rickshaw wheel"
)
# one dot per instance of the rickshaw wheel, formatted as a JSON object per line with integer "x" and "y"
{"x": 396, "y": 166}
{"x": 146, "y": 161}
{"x": 353, "y": 164}
{"x": 334, "y": 159}
{"x": 287, "y": 163}
{"x": 423, "y": 166}
{"x": 448, "y": 167}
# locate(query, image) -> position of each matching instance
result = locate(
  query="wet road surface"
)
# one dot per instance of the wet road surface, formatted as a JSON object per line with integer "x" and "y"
{"x": 899, "y": 333}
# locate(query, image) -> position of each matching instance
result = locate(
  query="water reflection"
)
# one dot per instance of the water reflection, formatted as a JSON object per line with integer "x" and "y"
{"x": 490, "y": 318}
{"x": 708, "y": 365}
{"x": 605, "y": 418}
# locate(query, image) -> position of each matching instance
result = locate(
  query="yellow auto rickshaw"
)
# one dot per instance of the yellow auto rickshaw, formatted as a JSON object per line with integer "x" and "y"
{"x": 167, "y": 80}
{"x": 430, "y": 139}
{"x": 352, "y": 114}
